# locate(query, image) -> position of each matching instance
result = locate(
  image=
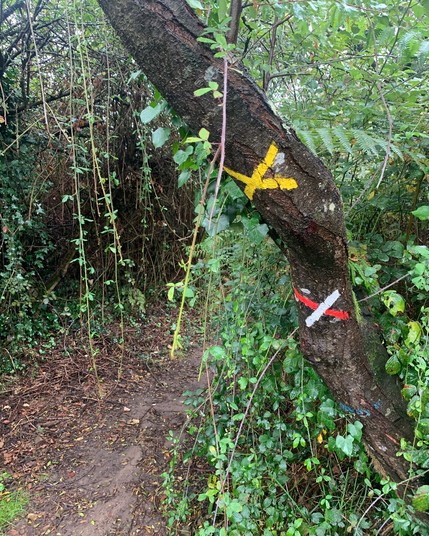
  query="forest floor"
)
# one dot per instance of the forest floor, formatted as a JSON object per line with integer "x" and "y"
{"x": 91, "y": 466}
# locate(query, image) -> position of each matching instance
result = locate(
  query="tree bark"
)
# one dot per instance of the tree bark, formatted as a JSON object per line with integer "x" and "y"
{"x": 296, "y": 195}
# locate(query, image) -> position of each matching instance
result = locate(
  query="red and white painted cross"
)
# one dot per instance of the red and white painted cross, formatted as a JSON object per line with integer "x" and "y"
{"x": 320, "y": 309}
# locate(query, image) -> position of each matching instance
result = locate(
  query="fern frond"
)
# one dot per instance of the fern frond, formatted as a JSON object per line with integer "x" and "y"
{"x": 386, "y": 36}
{"x": 411, "y": 42}
{"x": 419, "y": 159}
{"x": 308, "y": 139}
{"x": 326, "y": 138}
{"x": 397, "y": 151}
{"x": 338, "y": 139}
{"x": 423, "y": 49}
{"x": 384, "y": 145}
{"x": 341, "y": 134}
{"x": 365, "y": 142}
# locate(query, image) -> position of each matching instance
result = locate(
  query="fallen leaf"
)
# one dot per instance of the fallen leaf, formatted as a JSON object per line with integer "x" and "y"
{"x": 33, "y": 517}
{"x": 133, "y": 422}
{"x": 7, "y": 457}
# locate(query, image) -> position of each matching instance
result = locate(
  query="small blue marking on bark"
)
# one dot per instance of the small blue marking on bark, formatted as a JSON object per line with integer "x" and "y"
{"x": 360, "y": 411}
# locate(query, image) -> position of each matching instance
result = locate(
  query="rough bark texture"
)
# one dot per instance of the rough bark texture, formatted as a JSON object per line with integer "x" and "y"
{"x": 161, "y": 36}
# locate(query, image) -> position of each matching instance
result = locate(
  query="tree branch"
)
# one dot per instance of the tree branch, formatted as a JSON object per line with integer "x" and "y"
{"x": 273, "y": 40}
{"x": 6, "y": 13}
{"x": 235, "y": 14}
{"x": 35, "y": 104}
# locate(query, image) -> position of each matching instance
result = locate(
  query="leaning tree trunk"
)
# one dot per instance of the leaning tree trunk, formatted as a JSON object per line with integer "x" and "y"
{"x": 295, "y": 194}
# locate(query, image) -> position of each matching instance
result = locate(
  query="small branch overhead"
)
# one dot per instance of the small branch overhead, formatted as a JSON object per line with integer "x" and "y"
{"x": 234, "y": 25}
{"x": 6, "y": 13}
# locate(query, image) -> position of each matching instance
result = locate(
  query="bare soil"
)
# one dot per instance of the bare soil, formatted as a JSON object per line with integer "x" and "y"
{"x": 92, "y": 466}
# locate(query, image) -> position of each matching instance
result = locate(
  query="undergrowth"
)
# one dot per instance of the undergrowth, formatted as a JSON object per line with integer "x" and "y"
{"x": 280, "y": 456}
{"x": 92, "y": 218}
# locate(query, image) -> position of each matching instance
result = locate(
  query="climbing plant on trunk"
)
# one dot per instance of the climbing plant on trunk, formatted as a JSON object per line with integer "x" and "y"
{"x": 297, "y": 197}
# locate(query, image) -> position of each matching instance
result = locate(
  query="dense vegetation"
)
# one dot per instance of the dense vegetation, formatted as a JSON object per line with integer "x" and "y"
{"x": 92, "y": 217}
{"x": 100, "y": 187}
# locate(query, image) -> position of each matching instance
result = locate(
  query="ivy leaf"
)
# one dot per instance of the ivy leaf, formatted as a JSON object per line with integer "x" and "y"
{"x": 422, "y": 251}
{"x": 204, "y": 134}
{"x": 345, "y": 444}
{"x": 217, "y": 352}
{"x": 195, "y": 4}
{"x": 181, "y": 156}
{"x": 355, "y": 430}
{"x": 150, "y": 112}
{"x": 170, "y": 293}
{"x": 422, "y": 213}
{"x": 394, "y": 249}
{"x": 234, "y": 507}
{"x": 183, "y": 178}
{"x": 414, "y": 333}
{"x": 189, "y": 293}
{"x": 160, "y": 136}
{"x": 394, "y": 302}
{"x": 216, "y": 225}
{"x": 242, "y": 382}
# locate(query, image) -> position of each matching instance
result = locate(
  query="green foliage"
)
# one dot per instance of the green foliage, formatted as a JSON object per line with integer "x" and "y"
{"x": 270, "y": 431}
{"x": 86, "y": 229}
{"x": 406, "y": 331}
{"x": 421, "y": 499}
{"x": 408, "y": 346}
{"x": 179, "y": 288}
{"x": 26, "y": 248}
{"x": 352, "y": 79}
{"x": 151, "y": 112}
{"x": 12, "y": 503}
{"x": 422, "y": 213}
{"x": 212, "y": 87}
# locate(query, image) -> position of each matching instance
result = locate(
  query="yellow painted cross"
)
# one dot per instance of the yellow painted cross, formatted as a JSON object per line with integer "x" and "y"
{"x": 257, "y": 181}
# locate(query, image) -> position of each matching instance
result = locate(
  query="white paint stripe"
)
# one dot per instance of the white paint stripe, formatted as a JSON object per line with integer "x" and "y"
{"x": 323, "y": 307}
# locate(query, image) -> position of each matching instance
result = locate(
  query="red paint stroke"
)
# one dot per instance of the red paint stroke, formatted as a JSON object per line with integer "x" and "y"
{"x": 343, "y": 315}
{"x": 391, "y": 438}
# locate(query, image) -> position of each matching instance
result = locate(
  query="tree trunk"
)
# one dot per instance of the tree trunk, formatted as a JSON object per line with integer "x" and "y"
{"x": 297, "y": 197}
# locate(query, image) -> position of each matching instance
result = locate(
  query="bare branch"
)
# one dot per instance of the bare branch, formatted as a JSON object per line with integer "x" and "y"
{"x": 35, "y": 104}
{"x": 235, "y": 14}
{"x": 273, "y": 40}
{"x": 6, "y": 13}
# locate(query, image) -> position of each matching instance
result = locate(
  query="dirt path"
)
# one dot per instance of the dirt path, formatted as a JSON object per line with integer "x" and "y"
{"x": 94, "y": 468}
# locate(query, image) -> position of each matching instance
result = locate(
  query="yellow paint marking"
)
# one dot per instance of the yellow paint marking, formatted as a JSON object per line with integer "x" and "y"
{"x": 257, "y": 181}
